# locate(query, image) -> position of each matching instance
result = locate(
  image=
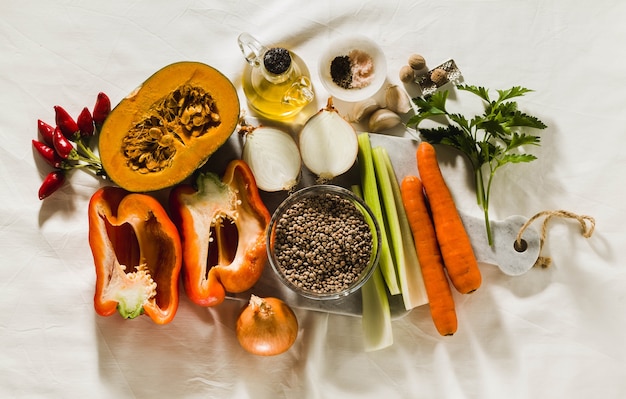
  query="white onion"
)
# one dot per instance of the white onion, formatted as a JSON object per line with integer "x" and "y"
{"x": 273, "y": 157}
{"x": 328, "y": 143}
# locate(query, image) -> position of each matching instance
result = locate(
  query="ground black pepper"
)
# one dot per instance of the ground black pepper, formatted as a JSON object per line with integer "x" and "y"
{"x": 341, "y": 71}
{"x": 323, "y": 243}
{"x": 277, "y": 60}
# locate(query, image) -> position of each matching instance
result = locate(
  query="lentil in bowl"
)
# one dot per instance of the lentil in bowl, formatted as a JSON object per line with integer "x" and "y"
{"x": 323, "y": 242}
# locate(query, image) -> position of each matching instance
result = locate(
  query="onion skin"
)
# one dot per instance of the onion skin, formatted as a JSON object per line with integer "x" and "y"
{"x": 266, "y": 326}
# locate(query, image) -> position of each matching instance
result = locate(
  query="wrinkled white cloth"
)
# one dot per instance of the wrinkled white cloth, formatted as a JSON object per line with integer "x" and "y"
{"x": 550, "y": 333}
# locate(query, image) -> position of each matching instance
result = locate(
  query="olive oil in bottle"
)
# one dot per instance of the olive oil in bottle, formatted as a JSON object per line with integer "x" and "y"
{"x": 276, "y": 83}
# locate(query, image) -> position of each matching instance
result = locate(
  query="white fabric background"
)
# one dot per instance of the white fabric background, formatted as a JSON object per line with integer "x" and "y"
{"x": 551, "y": 333}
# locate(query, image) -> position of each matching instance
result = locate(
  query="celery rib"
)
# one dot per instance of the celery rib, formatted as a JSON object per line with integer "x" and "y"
{"x": 376, "y": 319}
{"x": 372, "y": 199}
{"x": 376, "y": 312}
{"x": 401, "y": 238}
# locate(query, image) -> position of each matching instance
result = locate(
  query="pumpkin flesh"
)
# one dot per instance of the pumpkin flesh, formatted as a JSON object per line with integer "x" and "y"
{"x": 168, "y": 127}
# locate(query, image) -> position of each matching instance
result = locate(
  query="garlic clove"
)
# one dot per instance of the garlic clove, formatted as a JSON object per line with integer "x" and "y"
{"x": 363, "y": 109}
{"x": 383, "y": 119}
{"x": 397, "y": 100}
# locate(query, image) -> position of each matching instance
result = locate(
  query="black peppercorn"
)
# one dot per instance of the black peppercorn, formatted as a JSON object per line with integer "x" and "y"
{"x": 341, "y": 71}
{"x": 277, "y": 60}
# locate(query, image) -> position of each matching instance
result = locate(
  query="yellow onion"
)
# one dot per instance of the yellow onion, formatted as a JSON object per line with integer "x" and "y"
{"x": 273, "y": 157}
{"x": 328, "y": 143}
{"x": 266, "y": 326}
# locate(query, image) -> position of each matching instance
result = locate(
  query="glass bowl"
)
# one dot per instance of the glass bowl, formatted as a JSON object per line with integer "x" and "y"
{"x": 323, "y": 242}
{"x": 343, "y": 47}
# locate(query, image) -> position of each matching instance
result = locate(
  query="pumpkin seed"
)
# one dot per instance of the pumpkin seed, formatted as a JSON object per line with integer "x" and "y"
{"x": 189, "y": 111}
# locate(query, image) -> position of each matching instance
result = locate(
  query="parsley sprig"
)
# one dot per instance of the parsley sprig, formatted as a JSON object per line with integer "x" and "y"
{"x": 495, "y": 138}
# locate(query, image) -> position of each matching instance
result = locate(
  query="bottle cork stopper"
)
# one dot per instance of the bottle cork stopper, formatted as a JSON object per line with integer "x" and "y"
{"x": 277, "y": 60}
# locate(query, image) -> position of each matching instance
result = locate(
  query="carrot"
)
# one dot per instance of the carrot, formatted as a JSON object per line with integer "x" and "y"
{"x": 438, "y": 290}
{"x": 454, "y": 243}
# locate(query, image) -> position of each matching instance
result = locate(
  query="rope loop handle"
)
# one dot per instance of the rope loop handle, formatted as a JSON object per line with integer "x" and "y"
{"x": 587, "y": 224}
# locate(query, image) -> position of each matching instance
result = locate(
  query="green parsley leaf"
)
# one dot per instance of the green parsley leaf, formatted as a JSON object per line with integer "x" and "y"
{"x": 431, "y": 106}
{"x": 479, "y": 91}
{"x": 516, "y": 158}
{"x": 516, "y": 91}
{"x": 490, "y": 140}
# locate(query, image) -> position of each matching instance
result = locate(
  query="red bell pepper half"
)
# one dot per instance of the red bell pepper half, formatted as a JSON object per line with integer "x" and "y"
{"x": 137, "y": 254}
{"x": 222, "y": 225}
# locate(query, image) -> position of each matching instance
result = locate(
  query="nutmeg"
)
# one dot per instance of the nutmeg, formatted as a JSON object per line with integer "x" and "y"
{"x": 416, "y": 62}
{"x": 439, "y": 76}
{"x": 407, "y": 74}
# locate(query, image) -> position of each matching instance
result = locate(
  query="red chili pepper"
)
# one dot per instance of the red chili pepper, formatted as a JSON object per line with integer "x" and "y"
{"x": 85, "y": 123}
{"x": 51, "y": 183}
{"x": 101, "y": 109}
{"x": 63, "y": 146}
{"x": 65, "y": 122}
{"x": 48, "y": 154}
{"x": 46, "y": 132}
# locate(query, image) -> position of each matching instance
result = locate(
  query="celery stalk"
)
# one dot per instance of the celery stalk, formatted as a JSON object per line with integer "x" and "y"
{"x": 370, "y": 195}
{"x": 376, "y": 313}
{"x": 401, "y": 238}
{"x": 376, "y": 319}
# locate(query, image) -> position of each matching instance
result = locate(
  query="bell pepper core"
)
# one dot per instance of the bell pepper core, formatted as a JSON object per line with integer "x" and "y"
{"x": 137, "y": 254}
{"x": 222, "y": 225}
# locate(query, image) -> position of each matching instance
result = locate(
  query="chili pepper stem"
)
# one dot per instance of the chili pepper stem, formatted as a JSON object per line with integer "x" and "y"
{"x": 96, "y": 171}
{"x": 88, "y": 162}
{"x": 87, "y": 151}
{"x": 90, "y": 159}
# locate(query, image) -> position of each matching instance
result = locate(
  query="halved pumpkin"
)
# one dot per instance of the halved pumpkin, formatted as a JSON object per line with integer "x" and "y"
{"x": 168, "y": 127}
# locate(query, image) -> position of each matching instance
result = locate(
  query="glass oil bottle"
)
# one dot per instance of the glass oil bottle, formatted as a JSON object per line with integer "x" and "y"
{"x": 276, "y": 82}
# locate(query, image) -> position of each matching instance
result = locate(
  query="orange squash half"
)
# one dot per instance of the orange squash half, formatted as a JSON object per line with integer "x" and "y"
{"x": 168, "y": 127}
